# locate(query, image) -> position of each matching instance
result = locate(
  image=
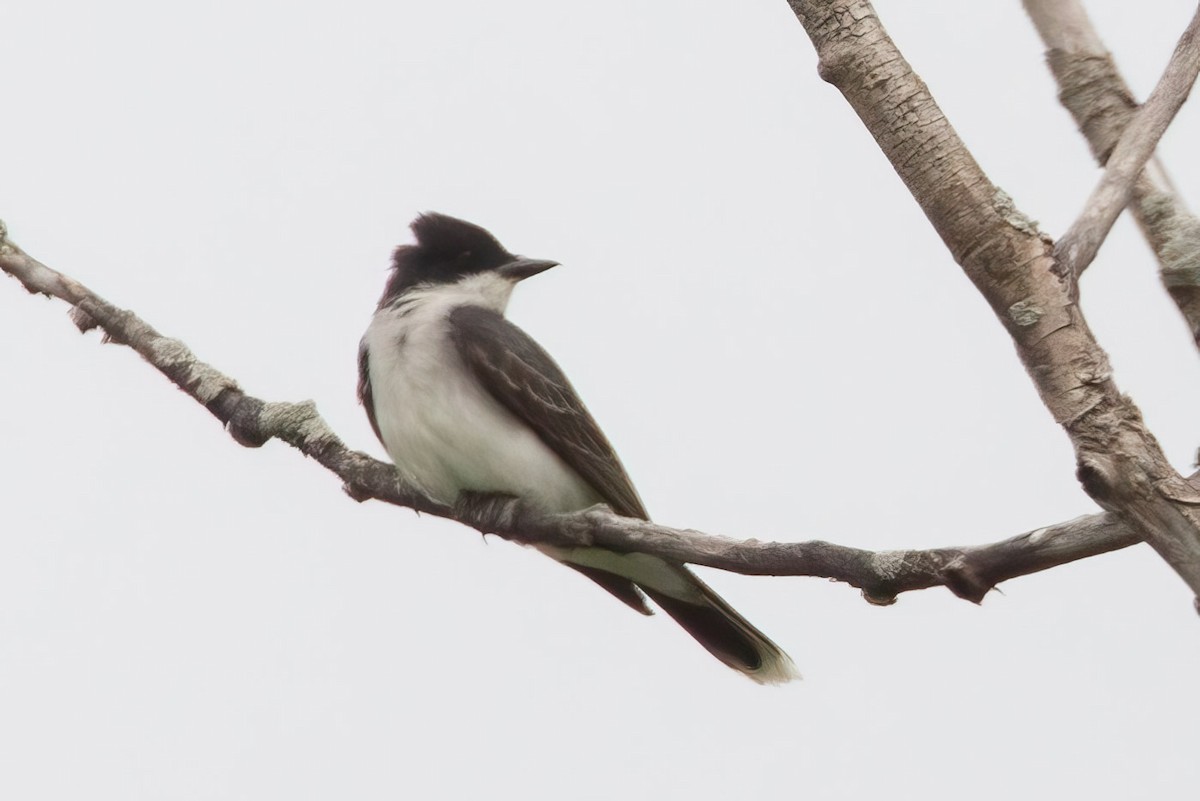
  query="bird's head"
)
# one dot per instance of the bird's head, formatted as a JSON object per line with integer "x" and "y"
{"x": 448, "y": 251}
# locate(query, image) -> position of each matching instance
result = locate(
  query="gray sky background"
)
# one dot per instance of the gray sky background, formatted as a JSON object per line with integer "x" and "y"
{"x": 750, "y": 302}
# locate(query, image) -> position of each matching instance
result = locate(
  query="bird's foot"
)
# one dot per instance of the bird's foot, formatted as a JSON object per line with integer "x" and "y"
{"x": 492, "y": 512}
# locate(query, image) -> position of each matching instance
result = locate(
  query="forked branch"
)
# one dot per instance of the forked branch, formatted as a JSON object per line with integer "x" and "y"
{"x": 1093, "y": 91}
{"x": 1014, "y": 266}
{"x": 1079, "y": 245}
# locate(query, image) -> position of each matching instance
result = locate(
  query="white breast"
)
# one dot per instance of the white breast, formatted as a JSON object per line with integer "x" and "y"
{"x": 443, "y": 430}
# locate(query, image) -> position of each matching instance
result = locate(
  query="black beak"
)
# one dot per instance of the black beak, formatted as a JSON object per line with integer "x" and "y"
{"x": 521, "y": 268}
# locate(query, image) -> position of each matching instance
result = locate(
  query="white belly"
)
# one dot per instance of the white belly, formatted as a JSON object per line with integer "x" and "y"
{"x": 446, "y": 433}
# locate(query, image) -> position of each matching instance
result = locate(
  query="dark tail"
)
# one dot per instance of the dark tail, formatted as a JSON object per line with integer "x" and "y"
{"x": 727, "y": 635}
{"x": 693, "y": 604}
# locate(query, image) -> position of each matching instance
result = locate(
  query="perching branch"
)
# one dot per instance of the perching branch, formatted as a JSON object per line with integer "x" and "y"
{"x": 969, "y": 572}
{"x": 1079, "y": 245}
{"x": 1013, "y": 265}
{"x": 1101, "y": 103}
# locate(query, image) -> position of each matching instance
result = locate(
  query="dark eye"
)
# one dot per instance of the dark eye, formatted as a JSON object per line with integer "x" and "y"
{"x": 464, "y": 256}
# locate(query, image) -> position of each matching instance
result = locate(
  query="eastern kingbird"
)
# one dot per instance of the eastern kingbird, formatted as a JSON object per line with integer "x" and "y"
{"x": 464, "y": 401}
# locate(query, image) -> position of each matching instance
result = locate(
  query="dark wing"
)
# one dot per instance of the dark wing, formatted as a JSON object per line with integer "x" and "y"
{"x": 364, "y": 387}
{"x": 523, "y": 377}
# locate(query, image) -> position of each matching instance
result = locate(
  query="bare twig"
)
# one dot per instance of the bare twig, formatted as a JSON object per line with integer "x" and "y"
{"x": 969, "y": 572}
{"x": 1013, "y": 265}
{"x": 1101, "y": 103}
{"x": 1079, "y": 245}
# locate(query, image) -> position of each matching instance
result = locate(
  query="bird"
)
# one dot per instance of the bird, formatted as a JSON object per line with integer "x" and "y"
{"x": 465, "y": 402}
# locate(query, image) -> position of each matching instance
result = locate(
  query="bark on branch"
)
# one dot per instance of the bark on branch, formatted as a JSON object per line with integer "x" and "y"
{"x": 1093, "y": 91}
{"x": 1078, "y": 246}
{"x": 969, "y": 572}
{"x": 1013, "y": 265}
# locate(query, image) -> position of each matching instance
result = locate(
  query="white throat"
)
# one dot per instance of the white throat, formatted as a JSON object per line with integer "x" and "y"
{"x": 489, "y": 290}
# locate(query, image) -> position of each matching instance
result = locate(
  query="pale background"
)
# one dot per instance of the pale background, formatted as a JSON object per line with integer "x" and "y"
{"x": 753, "y": 307}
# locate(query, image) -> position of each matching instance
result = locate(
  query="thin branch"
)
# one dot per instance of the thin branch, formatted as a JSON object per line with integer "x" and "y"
{"x": 969, "y": 572}
{"x": 1079, "y": 245}
{"x": 1064, "y": 26}
{"x": 1012, "y": 264}
{"x": 1102, "y": 105}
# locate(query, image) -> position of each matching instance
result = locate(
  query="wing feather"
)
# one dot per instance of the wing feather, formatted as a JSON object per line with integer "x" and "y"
{"x": 527, "y": 382}
{"x": 365, "y": 396}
